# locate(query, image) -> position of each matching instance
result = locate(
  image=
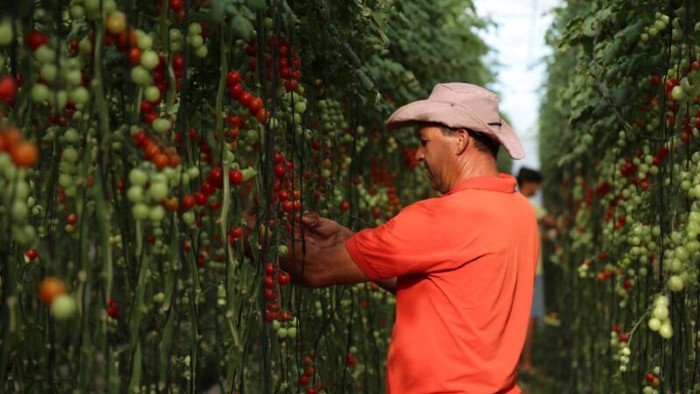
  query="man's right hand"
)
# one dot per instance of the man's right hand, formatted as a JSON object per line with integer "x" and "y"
{"x": 323, "y": 231}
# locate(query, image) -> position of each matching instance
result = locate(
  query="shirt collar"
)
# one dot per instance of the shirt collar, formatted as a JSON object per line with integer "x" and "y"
{"x": 504, "y": 183}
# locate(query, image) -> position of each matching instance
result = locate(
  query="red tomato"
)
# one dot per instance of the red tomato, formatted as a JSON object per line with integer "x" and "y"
{"x": 255, "y": 105}
{"x": 200, "y": 198}
{"x": 235, "y": 90}
{"x": 50, "y": 288}
{"x": 36, "y": 39}
{"x": 215, "y": 177}
{"x": 24, "y": 154}
{"x": 237, "y": 232}
{"x": 72, "y": 219}
{"x": 233, "y": 77}
{"x": 235, "y": 177}
{"x": 283, "y": 278}
{"x": 178, "y": 62}
{"x": 176, "y": 5}
{"x": 8, "y": 88}
{"x": 280, "y": 170}
{"x": 188, "y": 201}
{"x": 245, "y": 98}
{"x": 207, "y": 188}
{"x": 31, "y": 253}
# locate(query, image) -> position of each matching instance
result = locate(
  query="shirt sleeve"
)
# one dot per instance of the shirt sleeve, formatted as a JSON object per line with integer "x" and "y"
{"x": 410, "y": 243}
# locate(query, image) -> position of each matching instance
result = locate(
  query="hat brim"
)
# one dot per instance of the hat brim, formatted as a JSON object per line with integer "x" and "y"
{"x": 455, "y": 115}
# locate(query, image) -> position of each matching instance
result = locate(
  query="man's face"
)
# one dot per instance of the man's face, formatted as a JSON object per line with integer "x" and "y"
{"x": 437, "y": 154}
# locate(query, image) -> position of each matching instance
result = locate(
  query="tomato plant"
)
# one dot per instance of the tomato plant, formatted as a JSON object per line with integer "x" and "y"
{"x": 619, "y": 142}
{"x": 134, "y": 137}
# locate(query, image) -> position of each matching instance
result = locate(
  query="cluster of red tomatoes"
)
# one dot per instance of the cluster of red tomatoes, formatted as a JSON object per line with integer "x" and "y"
{"x": 288, "y": 62}
{"x": 273, "y": 277}
{"x": 237, "y": 92}
{"x": 154, "y": 152}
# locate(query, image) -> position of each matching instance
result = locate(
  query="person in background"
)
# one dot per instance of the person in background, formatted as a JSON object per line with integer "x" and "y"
{"x": 462, "y": 265}
{"x": 529, "y": 183}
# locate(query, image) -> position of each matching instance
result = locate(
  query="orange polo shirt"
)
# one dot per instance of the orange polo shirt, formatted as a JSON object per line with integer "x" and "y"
{"x": 465, "y": 266}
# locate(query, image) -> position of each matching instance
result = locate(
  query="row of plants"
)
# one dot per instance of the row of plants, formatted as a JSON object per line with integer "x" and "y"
{"x": 134, "y": 138}
{"x": 619, "y": 147}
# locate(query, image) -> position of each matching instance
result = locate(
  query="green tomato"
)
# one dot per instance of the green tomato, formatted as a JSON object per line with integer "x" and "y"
{"x": 80, "y": 95}
{"x": 5, "y": 31}
{"x": 195, "y": 41}
{"x": 85, "y": 47}
{"x": 135, "y": 193}
{"x": 678, "y": 93}
{"x": 138, "y": 177}
{"x": 140, "y": 76}
{"x": 300, "y": 107}
{"x": 193, "y": 172}
{"x": 40, "y": 93}
{"x": 65, "y": 180}
{"x": 161, "y": 125}
{"x": 195, "y": 29}
{"x": 19, "y": 210}
{"x": 76, "y": 12}
{"x": 48, "y": 72}
{"x": 201, "y": 52}
{"x": 282, "y": 333}
{"x": 157, "y": 213}
{"x": 63, "y": 307}
{"x": 189, "y": 218}
{"x": 158, "y": 191}
{"x": 44, "y": 54}
{"x": 140, "y": 211}
{"x": 660, "y": 312}
{"x": 666, "y": 331}
{"x": 175, "y": 35}
{"x": 149, "y": 59}
{"x": 71, "y": 136}
{"x": 675, "y": 283}
{"x": 92, "y": 5}
{"x": 151, "y": 93}
{"x": 145, "y": 41}
{"x": 109, "y": 6}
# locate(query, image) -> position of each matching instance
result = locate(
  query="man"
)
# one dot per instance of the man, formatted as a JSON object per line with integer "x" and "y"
{"x": 529, "y": 183}
{"x": 462, "y": 265}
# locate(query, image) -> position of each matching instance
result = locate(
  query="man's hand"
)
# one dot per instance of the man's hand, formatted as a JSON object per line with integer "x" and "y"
{"x": 325, "y": 232}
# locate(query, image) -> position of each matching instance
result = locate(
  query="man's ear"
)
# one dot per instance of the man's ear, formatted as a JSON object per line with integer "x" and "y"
{"x": 463, "y": 140}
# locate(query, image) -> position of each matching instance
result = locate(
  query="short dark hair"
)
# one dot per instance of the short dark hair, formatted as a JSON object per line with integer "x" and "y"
{"x": 529, "y": 175}
{"x": 483, "y": 143}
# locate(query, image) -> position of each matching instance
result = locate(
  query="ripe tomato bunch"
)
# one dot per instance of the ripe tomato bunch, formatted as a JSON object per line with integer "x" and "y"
{"x": 237, "y": 92}
{"x": 155, "y": 152}
{"x": 288, "y": 65}
{"x": 273, "y": 278}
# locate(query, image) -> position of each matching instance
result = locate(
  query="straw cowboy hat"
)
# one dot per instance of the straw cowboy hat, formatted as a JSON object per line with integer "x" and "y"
{"x": 461, "y": 105}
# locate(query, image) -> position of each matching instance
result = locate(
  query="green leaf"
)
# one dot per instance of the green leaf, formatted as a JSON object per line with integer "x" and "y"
{"x": 216, "y": 11}
{"x": 243, "y": 28}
